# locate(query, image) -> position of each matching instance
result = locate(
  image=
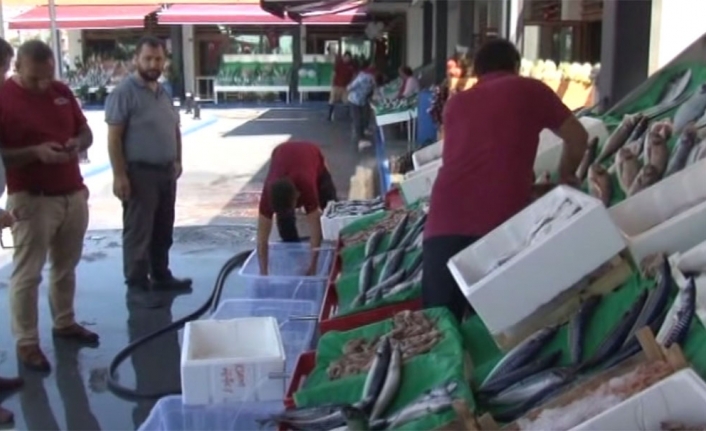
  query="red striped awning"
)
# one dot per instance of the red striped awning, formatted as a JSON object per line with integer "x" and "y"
{"x": 252, "y": 14}
{"x": 84, "y": 17}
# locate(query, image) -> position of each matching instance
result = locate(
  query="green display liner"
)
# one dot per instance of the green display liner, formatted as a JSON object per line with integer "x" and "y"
{"x": 445, "y": 363}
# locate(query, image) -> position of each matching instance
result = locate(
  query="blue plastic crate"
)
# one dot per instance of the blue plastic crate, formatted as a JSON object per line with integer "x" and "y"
{"x": 170, "y": 414}
{"x": 297, "y": 321}
{"x": 303, "y": 289}
{"x": 290, "y": 260}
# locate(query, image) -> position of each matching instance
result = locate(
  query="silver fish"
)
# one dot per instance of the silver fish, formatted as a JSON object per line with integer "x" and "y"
{"x": 323, "y": 417}
{"x": 578, "y": 325}
{"x": 377, "y": 374}
{"x": 420, "y": 410}
{"x": 529, "y": 387}
{"x": 393, "y": 263}
{"x": 646, "y": 178}
{"x": 413, "y": 231}
{"x": 687, "y": 142}
{"x": 401, "y": 287}
{"x": 398, "y": 232}
{"x": 656, "y": 301}
{"x": 618, "y": 138}
{"x": 547, "y": 393}
{"x": 386, "y": 285}
{"x": 416, "y": 263}
{"x": 356, "y": 419}
{"x": 682, "y": 321}
{"x": 391, "y": 385}
{"x": 691, "y": 110}
{"x": 373, "y": 242}
{"x": 522, "y": 353}
{"x": 675, "y": 87}
{"x": 519, "y": 374}
{"x": 365, "y": 278}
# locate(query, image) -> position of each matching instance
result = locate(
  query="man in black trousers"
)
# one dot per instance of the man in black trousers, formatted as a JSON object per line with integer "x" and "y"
{"x": 144, "y": 144}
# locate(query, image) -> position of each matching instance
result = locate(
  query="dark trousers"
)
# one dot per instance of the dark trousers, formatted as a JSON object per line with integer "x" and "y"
{"x": 148, "y": 222}
{"x": 359, "y": 120}
{"x": 439, "y": 288}
{"x": 287, "y": 223}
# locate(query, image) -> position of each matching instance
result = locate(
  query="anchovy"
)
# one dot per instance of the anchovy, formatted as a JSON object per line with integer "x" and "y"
{"x": 373, "y": 242}
{"x": 682, "y": 321}
{"x": 656, "y": 301}
{"x": 376, "y": 376}
{"x": 519, "y": 374}
{"x": 578, "y": 325}
{"x": 526, "y": 389}
{"x": 393, "y": 263}
{"x": 365, "y": 278}
{"x": 522, "y": 353}
{"x": 391, "y": 385}
{"x": 398, "y": 233}
{"x": 612, "y": 343}
{"x": 687, "y": 142}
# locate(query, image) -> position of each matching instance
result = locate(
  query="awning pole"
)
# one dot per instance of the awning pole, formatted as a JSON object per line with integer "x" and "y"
{"x": 2, "y": 22}
{"x": 55, "y": 39}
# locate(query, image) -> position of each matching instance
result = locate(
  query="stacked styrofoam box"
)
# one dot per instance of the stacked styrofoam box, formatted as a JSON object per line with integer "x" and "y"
{"x": 551, "y": 146}
{"x": 680, "y": 398}
{"x": 331, "y": 226}
{"x": 418, "y": 183}
{"x": 540, "y": 272}
{"x": 668, "y": 217}
{"x": 232, "y": 361}
{"x": 427, "y": 154}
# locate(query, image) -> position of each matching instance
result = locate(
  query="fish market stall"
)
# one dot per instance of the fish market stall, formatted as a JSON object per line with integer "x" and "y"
{"x": 339, "y": 214}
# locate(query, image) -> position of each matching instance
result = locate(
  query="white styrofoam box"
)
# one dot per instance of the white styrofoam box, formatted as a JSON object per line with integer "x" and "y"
{"x": 668, "y": 217}
{"x": 427, "y": 154}
{"x": 331, "y": 226}
{"x": 436, "y": 164}
{"x": 551, "y": 146}
{"x": 290, "y": 260}
{"x": 527, "y": 278}
{"x": 680, "y": 397}
{"x": 419, "y": 186}
{"x": 232, "y": 361}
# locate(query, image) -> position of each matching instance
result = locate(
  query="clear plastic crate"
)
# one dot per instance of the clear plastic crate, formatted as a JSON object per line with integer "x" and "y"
{"x": 290, "y": 260}
{"x": 303, "y": 289}
{"x": 170, "y": 414}
{"x": 297, "y": 321}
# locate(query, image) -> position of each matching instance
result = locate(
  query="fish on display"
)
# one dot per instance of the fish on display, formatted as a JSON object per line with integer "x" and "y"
{"x": 521, "y": 354}
{"x": 414, "y": 411}
{"x": 657, "y": 151}
{"x": 578, "y": 326}
{"x": 373, "y": 242}
{"x": 636, "y": 141}
{"x": 322, "y": 417}
{"x": 416, "y": 263}
{"x": 696, "y": 153}
{"x": 393, "y": 263}
{"x": 401, "y": 287}
{"x": 393, "y": 379}
{"x": 398, "y": 232}
{"x": 589, "y": 156}
{"x": 356, "y": 419}
{"x": 656, "y": 301}
{"x": 508, "y": 379}
{"x": 365, "y": 278}
{"x": 599, "y": 184}
{"x": 675, "y": 87}
{"x": 685, "y": 145}
{"x": 376, "y": 376}
{"x": 681, "y": 323}
{"x": 627, "y": 166}
{"x": 550, "y": 391}
{"x": 386, "y": 284}
{"x": 647, "y": 176}
{"x": 526, "y": 389}
{"x": 414, "y": 230}
{"x": 691, "y": 110}
{"x": 618, "y": 138}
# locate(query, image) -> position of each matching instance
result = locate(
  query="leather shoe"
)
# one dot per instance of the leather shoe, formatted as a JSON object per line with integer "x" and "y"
{"x": 171, "y": 283}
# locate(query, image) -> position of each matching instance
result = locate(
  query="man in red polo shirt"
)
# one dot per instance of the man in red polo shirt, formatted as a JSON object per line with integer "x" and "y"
{"x": 343, "y": 73}
{"x": 42, "y": 131}
{"x": 491, "y": 135}
{"x": 298, "y": 178}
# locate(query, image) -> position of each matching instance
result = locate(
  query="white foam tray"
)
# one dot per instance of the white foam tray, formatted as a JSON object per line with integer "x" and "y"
{"x": 419, "y": 184}
{"x": 541, "y": 271}
{"x": 427, "y": 154}
{"x": 331, "y": 226}
{"x": 232, "y": 361}
{"x": 668, "y": 217}
{"x": 680, "y": 397}
{"x": 551, "y": 146}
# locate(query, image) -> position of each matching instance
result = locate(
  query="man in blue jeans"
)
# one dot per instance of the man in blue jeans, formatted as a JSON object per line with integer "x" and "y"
{"x": 359, "y": 93}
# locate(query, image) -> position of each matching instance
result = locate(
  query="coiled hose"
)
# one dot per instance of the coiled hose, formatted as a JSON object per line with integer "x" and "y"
{"x": 209, "y": 306}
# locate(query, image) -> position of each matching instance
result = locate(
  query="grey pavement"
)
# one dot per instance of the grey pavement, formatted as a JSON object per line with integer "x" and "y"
{"x": 224, "y": 166}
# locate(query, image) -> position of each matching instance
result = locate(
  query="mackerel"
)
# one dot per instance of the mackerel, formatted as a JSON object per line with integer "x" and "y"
{"x": 401, "y": 287}
{"x": 578, "y": 325}
{"x": 391, "y": 385}
{"x": 526, "y": 389}
{"x": 365, "y": 278}
{"x": 413, "y": 231}
{"x": 373, "y": 242}
{"x": 547, "y": 393}
{"x": 416, "y": 411}
{"x": 521, "y": 373}
{"x": 386, "y": 284}
{"x": 392, "y": 264}
{"x": 377, "y": 374}
{"x": 682, "y": 321}
{"x": 398, "y": 232}
{"x": 685, "y": 145}
{"x": 656, "y": 301}
{"x": 522, "y": 353}
{"x": 416, "y": 263}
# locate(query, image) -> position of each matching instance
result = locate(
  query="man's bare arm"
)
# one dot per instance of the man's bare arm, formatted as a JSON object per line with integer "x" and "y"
{"x": 264, "y": 228}
{"x": 575, "y": 141}
{"x": 314, "y": 219}
{"x": 115, "y": 149}
{"x": 19, "y": 156}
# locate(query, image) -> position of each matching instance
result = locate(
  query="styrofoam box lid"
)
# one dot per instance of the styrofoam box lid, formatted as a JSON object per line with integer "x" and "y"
{"x": 290, "y": 260}
{"x": 297, "y": 335}
{"x": 246, "y": 339}
{"x": 303, "y": 289}
{"x": 662, "y": 201}
{"x": 680, "y": 397}
{"x": 170, "y": 414}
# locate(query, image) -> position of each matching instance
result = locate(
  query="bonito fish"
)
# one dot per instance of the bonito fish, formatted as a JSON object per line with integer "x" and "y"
{"x": 599, "y": 184}
{"x": 628, "y": 166}
{"x": 377, "y": 375}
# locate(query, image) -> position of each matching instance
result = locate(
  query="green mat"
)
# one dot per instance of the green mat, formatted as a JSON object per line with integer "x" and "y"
{"x": 442, "y": 365}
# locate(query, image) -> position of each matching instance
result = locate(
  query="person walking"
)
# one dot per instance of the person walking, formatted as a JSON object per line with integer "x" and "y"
{"x": 343, "y": 73}
{"x": 144, "y": 145}
{"x": 42, "y": 131}
{"x": 360, "y": 91}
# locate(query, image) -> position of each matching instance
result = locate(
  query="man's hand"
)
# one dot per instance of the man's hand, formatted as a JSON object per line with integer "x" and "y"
{"x": 177, "y": 170}
{"x": 51, "y": 153}
{"x": 6, "y": 219}
{"x": 73, "y": 147}
{"x": 121, "y": 187}
{"x": 571, "y": 181}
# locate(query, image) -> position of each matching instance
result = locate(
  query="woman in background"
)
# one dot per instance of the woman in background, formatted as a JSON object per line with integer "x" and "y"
{"x": 410, "y": 84}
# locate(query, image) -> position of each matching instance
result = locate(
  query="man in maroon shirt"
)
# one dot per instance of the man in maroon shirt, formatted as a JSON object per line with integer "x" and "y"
{"x": 491, "y": 135}
{"x": 343, "y": 73}
{"x": 298, "y": 178}
{"x": 42, "y": 131}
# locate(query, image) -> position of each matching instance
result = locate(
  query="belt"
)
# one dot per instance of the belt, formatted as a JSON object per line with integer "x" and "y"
{"x": 50, "y": 194}
{"x": 152, "y": 166}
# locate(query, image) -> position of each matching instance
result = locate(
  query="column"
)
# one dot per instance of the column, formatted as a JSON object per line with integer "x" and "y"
{"x": 441, "y": 20}
{"x": 427, "y": 32}
{"x": 466, "y": 19}
{"x": 187, "y": 53}
{"x": 177, "y": 81}
{"x": 625, "y": 48}
{"x": 298, "y": 47}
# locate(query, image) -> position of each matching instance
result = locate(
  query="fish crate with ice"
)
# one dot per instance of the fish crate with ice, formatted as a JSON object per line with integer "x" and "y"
{"x": 296, "y": 320}
{"x": 668, "y": 217}
{"x": 551, "y": 146}
{"x": 428, "y": 154}
{"x": 290, "y": 260}
{"x": 338, "y": 215}
{"x": 540, "y": 258}
{"x": 419, "y": 183}
{"x": 303, "y": 289}
{"x": 679, "y": 398}
{"x": 170, "y": 414}
{"x": 231, "y": 361}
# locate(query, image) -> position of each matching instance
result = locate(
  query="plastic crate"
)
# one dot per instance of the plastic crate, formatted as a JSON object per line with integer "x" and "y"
{"x": 290, "y": 260}
{"x": 351, "y": 321}
{"x": 296, "y": 319}
{"x": 302, "y": 289}
{"x": 305, "y": 365}
{"x": 170, "y": 414}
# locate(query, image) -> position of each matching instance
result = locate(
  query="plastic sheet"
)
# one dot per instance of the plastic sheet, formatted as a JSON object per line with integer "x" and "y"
{"x": 290, "y": 260}
{"x": 303, "y": 289}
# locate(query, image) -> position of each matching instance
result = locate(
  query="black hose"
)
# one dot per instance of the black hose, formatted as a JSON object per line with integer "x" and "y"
{"x": 210, "y": 305}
